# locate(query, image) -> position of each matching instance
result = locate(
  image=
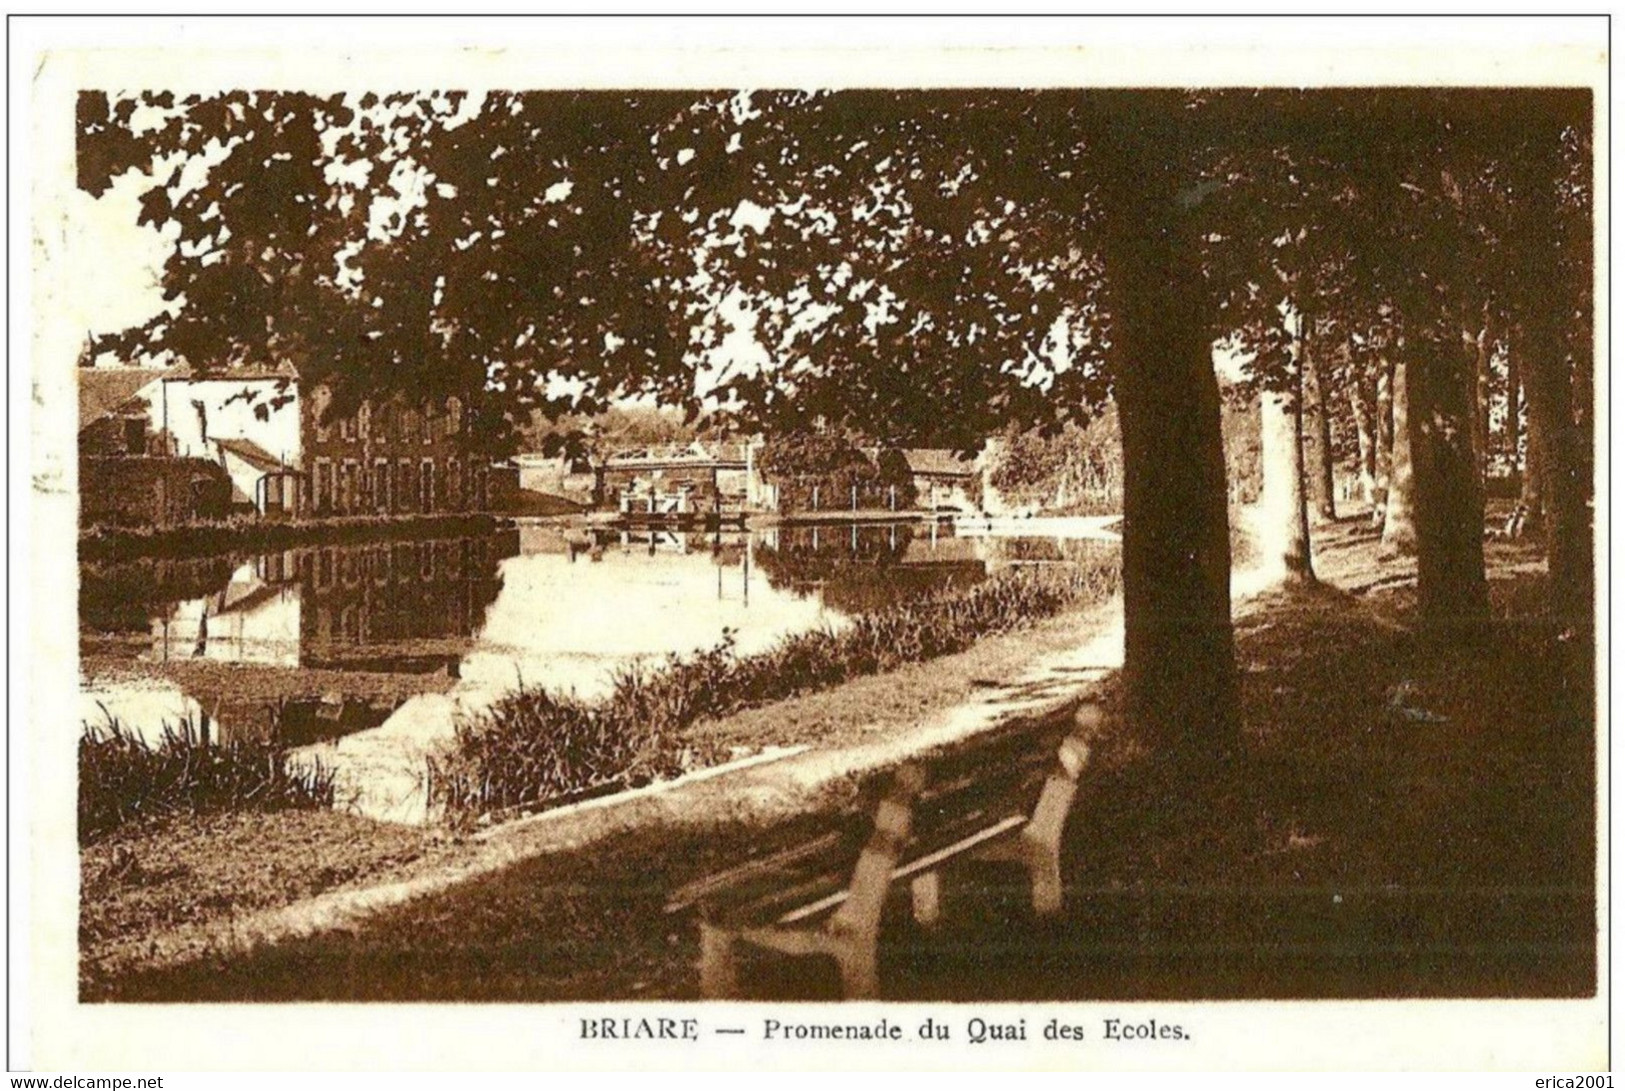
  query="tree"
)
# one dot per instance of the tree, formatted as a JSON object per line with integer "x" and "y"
{"x": 829, "y": 471}
{"x": 1363, "y": 413}
{"x": 1399, "y": 503}
{"x": 1319, "y": 410}
{"x": 986, "y": 250}
{"x": 920, "y": 268}
{"x": 1284, "y": 512}
{"x": 1551, "y": 232}
{"x": 1179, "y": 654}
{"x": 417, "y": 242}
{"x": 1077, "y": 471}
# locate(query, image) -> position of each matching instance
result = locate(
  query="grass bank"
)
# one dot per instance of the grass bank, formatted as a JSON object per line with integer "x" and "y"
{"x": 124, "y": 778}
{"x": 534, "y": 746}
{"x": 142, "y": 878}
{"x": 205, "y": 539}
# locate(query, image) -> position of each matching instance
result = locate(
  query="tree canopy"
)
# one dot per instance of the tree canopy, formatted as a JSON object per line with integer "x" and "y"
{"x": 923, "y": 266}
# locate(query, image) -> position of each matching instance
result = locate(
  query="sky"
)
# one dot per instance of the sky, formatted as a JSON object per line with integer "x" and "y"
{"x": 116, "y": 266}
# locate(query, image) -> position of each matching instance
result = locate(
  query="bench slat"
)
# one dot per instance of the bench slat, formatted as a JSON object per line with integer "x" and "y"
{"x": 962, "y": 813}
{"x": 687, "y": 896}
{"x": 903, "y": 871}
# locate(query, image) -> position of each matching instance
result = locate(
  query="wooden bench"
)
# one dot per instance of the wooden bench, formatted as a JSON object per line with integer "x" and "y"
{"x": 1003, "y": 796}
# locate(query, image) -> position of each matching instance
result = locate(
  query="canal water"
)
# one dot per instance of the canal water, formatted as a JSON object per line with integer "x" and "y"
{"x": 363, "y": 656}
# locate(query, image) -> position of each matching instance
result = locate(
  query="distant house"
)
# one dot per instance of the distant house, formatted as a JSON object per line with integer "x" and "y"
{"x": 691, "y": 477}
{"x": 245, "y": 421}
{"x": 557, "y": 476}
{"x": 943, "y": 479}
{"x": 283, "y": 450}
{"x": 392, "y": 456}
{"x": 128, "y": 476}
{"x": 114, "y": 410}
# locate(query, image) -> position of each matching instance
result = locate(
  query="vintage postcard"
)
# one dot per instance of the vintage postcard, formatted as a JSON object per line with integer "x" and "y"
{"x": 710, "y": 543}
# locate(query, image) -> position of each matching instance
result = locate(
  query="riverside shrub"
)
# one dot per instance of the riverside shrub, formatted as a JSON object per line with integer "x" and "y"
{"x": 535, "y": 746}
{"x": 124, "y": 778}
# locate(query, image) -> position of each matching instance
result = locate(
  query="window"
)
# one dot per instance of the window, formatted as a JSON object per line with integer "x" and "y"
{"x": 347, "y": 487}
{"x": 381, "y": 492}
{"x": 324, "y": 485}
{"x": 426, "y": 486}
{"x": 428, "y": 424}
{"x": 454, "y": 416}
{"x": 364, "y": 419}
{"x": 405, "y": 491}
{"x": 319, "y": 403}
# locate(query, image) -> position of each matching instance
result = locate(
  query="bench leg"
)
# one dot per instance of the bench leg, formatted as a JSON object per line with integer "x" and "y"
{"x": 927, "y": 892}
{"x": 719, "y": 973}
{"x": 1044, "y": 865}
{"x": 860, "y": 978}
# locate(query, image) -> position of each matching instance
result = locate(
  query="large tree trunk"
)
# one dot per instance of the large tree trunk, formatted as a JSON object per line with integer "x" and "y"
{"x": 1179, "y": 667}
{"x": 1548, "y": 386}
{"x": 1283, "y": 521}
{"x": 1481, "y": 396}
{"x": 1385, "y": 439}
{"x": 1510, "y": 426}
{"x": 1555, "y": 273}
{"x": 1398, "y": 511}
{"x": 1318, "y": 432}
{"x": 1532, "y": 496}
{"x": 1364, "y": 415}
{"x": 1452, "y": 594}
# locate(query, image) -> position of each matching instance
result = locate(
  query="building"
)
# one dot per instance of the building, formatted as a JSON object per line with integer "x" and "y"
{"x": 943, "y": 479}
{"x": 283, "y": 451}
{"x": 395, "y": 456}
{"x": 129, "y": 473}
{"x": 558, "y": 475}
{"x": 249, "y": 423}
{"x": 681, "y": 478}
{"x": 114, "y": 413}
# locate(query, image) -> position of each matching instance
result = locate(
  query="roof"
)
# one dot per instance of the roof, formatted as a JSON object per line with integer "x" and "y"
{"x": 937, "y": 462}
{"x": 253, "y": 454}
{"x": 104, "y": 391}
{"x": 255, "y": 375}
{"x": 696, "y": 454}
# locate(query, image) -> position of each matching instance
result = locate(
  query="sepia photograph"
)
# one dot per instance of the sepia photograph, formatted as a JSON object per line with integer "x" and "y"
{"x": 928, "y": 541}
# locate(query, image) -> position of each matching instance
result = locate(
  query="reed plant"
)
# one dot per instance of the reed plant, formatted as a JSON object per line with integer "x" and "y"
{"x": 536, "y": 747}
{"x": 124, "y": 777}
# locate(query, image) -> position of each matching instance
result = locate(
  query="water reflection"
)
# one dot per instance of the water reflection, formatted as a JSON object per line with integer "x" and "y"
{"x": 366, "y": 654}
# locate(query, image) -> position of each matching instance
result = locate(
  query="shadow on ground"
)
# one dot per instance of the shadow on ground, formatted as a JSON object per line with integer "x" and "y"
{"x": 1408, "y": 819}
